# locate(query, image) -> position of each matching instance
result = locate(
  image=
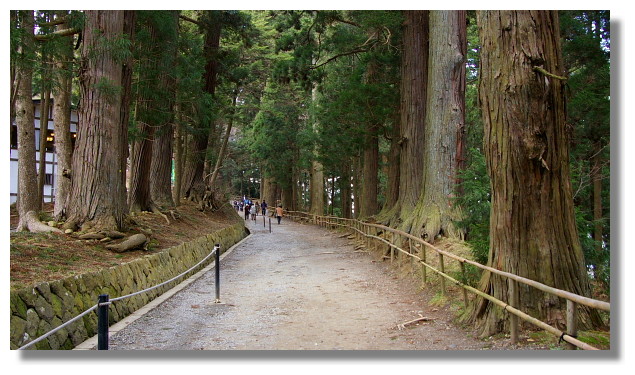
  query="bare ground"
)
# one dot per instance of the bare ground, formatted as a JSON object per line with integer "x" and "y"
{"x": 39, "y": 257}
{"x": 302, "y": 287}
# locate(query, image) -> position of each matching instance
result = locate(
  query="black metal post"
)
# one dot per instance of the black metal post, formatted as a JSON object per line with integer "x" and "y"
{"x": 217, "y": 273}
{"x": 264, "y": 223}
{"x": 269, "y": 225}
{"x": 102, "y": 322}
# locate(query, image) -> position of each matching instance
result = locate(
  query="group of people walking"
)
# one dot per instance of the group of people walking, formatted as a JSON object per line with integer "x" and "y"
{"x": 252, "y": 209}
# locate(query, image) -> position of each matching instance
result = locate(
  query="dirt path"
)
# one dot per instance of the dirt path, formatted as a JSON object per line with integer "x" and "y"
{"x": 300, "y": 287}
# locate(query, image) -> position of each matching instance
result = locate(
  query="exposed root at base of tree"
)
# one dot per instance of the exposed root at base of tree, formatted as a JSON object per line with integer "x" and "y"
{"x": 32, "y": 223}
{"x": 132, "y": 242}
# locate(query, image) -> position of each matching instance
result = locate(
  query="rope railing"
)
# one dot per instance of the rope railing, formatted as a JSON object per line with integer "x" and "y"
{"x": 104, "y": 302}
{"x": 363, "y": 229}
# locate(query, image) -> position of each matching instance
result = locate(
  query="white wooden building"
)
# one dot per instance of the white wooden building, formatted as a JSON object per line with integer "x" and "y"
{"x": 50, "y": 162}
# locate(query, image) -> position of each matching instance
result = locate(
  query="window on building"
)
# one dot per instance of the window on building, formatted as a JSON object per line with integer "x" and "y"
{"x": 14, "y": 137}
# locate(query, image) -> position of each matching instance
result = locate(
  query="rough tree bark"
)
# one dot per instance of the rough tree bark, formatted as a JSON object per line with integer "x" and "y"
{"x": 154, "y": 115}
{"x": 368, "y": 205}
{"x": 62, "y": 123}
{"x": 268, "y": 192}
{"x": 414, "y": 81}
{"x": 98, "y": 193}
{"x": 444, "y": 127}
{"x": 28, "y": 204}
{"x": 533, "y": 232}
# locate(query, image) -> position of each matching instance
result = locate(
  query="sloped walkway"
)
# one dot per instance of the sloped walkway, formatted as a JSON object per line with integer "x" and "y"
{"x": 299, "y": 287}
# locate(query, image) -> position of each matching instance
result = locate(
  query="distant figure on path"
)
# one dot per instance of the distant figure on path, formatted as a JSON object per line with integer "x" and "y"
{"x": 263, "y": 207}
{"x": 279, "y": 213}
{"x": 252, "y": 210}
{"x": 247, "y": 207}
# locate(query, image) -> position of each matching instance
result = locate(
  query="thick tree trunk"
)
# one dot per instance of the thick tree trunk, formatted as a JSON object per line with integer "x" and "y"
{"x": 533, "y": 232}
{"x": 62, "y": 122}
{"x": 368, "y": 205}
{"x": 414, "y": 80}
{"x": 444, "y": 129}
{"x": 269, "y": 193}
{"x": 161, "y": 168}
{"x": 154, "y": 115}
{"x": 24, "y": 119}
{"x": 98, "y": 194}
{"x": 139, "y": 198}
{"x": 287, "y": 200}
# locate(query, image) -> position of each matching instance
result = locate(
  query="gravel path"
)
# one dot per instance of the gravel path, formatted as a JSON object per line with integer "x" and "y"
{"x": 299, "y": 287}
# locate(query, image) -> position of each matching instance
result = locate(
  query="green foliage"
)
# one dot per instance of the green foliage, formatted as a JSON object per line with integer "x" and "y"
{"x": 586, "y": 51}
{"x": 117, "y": 47}
{"x": 109, "y": 89}
{"x": 277, "y": 136}
{"x": 475, "y": 202}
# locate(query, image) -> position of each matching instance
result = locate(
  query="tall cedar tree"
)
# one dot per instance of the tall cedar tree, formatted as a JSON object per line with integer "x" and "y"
{"x": 63, "y": 61}
{"x": 28, "y": 203}
{"x": 444, "y": 128}
{"x": 150, "y": 164}
{"x": 532, "y": 229}
{"x": 414, "y": 82}
{"x": 98, "y": 193}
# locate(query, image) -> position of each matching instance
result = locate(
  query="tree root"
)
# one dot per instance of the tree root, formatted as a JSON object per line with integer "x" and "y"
{"x": 133, "y": 242}
{"x": 32, "y": 223}
{"x": 155, "y": 210}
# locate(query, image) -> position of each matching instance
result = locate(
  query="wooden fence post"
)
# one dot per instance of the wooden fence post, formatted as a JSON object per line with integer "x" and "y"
{"x": 392, "y": 249}
{"x": 442, "y": 266}
{"x": 412, "y": 259}
{"x": 424, "y": 271}
{"x": 464, "y": 282}
{"x": 513, "y": 319}
{"x": 572, "y": 322}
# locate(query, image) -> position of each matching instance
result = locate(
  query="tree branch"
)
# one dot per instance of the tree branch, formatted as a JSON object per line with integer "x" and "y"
{"x": 65, "y": 32}
{"x": 353, "y": 52}
{"x": 543, "y": 71}
{"x": 186, "y": 18}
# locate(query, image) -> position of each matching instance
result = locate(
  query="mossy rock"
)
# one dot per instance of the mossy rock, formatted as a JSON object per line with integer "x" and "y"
{"x": 44, "y": 309}
{"x": 18, "y": 307}
{"x": 17, "y": 330}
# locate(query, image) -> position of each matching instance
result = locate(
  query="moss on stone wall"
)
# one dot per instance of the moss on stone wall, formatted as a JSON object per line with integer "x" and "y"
{"x": 35, "y": 311}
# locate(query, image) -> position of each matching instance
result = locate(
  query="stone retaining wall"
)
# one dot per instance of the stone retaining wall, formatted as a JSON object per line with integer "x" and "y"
{"x": 35, "y": 311}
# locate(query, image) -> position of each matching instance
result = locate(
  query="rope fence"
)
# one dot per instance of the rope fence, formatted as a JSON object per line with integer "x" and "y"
{"x": 104, "y": 302}
{"x": 370, "y": 233}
